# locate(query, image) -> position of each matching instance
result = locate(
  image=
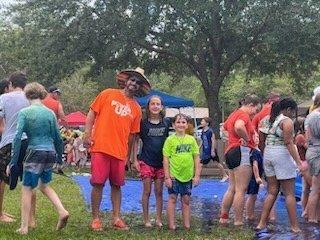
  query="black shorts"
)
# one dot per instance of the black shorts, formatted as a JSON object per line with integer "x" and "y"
{"x": 253, "y": 187}
{"x": 238, "y": 156}
{"x": 182, "y": 188}
{"x": 205, "y": 160}
{"x": 5, "y": 158}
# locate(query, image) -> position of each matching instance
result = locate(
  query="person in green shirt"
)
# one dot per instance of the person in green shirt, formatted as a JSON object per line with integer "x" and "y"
{"x": 182, "y": 169}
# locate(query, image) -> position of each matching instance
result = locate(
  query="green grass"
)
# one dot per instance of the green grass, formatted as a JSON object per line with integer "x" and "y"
{"x": 78, "y": 225}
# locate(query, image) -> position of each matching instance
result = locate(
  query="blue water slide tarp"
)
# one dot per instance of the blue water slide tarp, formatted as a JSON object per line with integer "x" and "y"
{"x": 205, "y": 203}
{"x": 168, "y": 100}
{"x": 203, "y": 196}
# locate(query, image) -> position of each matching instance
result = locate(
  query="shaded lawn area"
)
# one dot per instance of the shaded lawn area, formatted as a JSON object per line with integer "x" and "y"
{"x": 78, "y": 225}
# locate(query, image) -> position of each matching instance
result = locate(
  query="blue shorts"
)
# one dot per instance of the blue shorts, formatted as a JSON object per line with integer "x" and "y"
{"x": 253, "y": 187}
{"x": 38, "y": 166}
{"x": 32, "y": 179}
{"x": 182, "y": 188}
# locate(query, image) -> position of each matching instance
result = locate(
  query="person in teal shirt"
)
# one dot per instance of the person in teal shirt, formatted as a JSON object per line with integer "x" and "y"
{"x": 44, "y": 149}
{"x": 182, "y": 169}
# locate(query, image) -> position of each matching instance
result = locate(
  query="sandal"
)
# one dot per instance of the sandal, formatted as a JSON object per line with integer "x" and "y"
{"x": 96, "y": 225}
{"x": 224, "y": 217}
{"x": 120, "y": 225}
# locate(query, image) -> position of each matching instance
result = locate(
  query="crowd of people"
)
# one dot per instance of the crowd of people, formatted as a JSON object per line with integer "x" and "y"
{"x": 74, "y": 151}
{"x": 263, "y": 147}
{"x": 30, "y": 145}
{"x": 272, "y": 143}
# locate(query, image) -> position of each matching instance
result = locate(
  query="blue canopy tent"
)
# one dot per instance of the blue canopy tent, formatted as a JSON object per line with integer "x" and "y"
{"x": 168, "y": 100}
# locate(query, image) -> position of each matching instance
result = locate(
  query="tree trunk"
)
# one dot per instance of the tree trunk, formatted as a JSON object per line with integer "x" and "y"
{"x": 212, "y": 96}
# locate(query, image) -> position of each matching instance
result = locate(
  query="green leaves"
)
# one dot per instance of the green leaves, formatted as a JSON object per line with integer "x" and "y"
{"x": 78, "y": 91}
{"x": 208, "y": 39}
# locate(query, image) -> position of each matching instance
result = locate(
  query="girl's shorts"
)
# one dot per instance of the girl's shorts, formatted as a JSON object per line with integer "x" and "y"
{"x": 182, "y": 188}
{"x": 147, "y": 171}
{"x": 279, "y": 163}
{"x": 238, "y": 156}
{"x": 313, "y": 158}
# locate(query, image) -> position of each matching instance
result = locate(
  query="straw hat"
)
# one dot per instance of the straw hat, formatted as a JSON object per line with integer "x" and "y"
{"x": 145, "y": 86}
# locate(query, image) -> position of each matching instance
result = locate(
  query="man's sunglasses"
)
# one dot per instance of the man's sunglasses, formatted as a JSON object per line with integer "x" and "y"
{"x": 136, "y": 79}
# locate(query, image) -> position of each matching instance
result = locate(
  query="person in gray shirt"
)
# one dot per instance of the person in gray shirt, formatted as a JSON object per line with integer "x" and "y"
{"x": 10, "y": 105}
{"x": 312, "y": 126}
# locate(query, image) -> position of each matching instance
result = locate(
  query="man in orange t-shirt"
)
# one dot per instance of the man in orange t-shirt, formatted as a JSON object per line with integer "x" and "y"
{"x": 52, "y": 101}
{"x": 112, "y": 123}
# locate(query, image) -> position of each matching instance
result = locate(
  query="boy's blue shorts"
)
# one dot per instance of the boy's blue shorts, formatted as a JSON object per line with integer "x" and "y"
{"x": 253, "y": 187}
{"x": 38, "y": 166}
{"x": 31, "y": 179}
{"x": 182, "y": 188}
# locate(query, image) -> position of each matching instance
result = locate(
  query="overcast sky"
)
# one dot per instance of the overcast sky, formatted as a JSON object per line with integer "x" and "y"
{"x": 6, "y": 2}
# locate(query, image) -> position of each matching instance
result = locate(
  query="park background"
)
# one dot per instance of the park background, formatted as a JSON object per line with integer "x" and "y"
{"x": 211, "y": 51}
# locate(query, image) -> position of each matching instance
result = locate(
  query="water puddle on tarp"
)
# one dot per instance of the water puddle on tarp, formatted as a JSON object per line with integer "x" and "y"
{"x": 205, "y": 205}
{"x": 208, "y": 210}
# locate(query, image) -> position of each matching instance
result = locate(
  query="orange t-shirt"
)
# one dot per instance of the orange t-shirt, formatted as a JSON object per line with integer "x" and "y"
{"x": 116, "y": 117}
{"x": 52, "y": 104}
{"x": 265, "y": 111}
{"x": 234, "y": 139}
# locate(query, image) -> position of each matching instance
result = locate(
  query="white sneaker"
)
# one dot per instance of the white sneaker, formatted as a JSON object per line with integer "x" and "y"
{"x": 224, "y": 179}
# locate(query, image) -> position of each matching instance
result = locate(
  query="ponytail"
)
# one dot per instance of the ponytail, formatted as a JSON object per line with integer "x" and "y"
{"x": 278, "y": 106}
{"x": 275, "y": 111}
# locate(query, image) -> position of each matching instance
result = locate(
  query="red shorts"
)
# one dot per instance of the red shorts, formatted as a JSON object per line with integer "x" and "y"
{"x": 104, "y": 167}
{"x": 147, "y": 171}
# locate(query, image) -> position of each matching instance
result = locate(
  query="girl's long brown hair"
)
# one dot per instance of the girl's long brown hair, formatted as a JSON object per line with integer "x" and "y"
{"x": 162, "y": 112}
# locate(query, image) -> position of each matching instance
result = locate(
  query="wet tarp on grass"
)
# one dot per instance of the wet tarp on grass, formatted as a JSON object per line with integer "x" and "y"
{"x": 208, "y": 192}
{"x": 205, "y": 204}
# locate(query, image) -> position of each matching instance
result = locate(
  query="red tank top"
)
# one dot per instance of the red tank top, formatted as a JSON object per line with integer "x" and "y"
{"x": 52, "y": 104}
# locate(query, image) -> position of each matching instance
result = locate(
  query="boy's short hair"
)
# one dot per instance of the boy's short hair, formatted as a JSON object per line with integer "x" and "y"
{"x": 250, "y": 99}
{"x": 18, "y": 79}
{"x": 35, "y": 90}
{"x": 208, "y": 120}
{"x": 3, "y": 85}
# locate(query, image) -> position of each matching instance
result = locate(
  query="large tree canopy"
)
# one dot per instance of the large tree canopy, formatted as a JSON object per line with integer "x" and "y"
{"x": 205, "y": 38}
